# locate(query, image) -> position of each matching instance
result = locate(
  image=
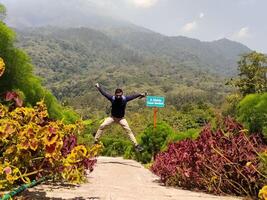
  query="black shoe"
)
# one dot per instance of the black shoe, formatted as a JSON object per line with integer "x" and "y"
{"x": 138, "y": 148}
{"x": 96, "y": 142}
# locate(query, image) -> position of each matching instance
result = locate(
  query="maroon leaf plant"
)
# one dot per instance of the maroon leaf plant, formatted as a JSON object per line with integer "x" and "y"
{"x": 224, "y": 161}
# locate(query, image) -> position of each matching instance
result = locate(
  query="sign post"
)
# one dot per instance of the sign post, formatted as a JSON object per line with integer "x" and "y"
{"x": 155, "y": 116}
{"x": 155, "y": 102}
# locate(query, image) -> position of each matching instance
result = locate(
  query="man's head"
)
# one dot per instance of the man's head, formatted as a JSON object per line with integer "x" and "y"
{"x": 118, "y": 93}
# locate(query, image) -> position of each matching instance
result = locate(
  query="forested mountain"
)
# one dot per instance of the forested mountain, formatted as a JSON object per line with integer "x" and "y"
{"x": 71, "y": 60}
{"x": 217, "y": 57}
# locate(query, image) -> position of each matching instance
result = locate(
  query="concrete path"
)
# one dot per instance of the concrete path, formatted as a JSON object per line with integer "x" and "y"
{"x": 119, "y": 179}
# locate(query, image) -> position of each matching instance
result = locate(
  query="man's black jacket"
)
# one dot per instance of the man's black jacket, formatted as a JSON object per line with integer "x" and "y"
{"x": 118, "y": 104}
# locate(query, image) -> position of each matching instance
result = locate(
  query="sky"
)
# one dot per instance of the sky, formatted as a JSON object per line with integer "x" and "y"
{"x": 207, "y": 20}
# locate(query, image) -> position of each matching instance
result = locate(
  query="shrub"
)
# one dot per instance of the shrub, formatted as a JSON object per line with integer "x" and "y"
{"x": 253, "y": 112}
{"x": 115, "y": 146}
{"x": 32, "y": 145}
{"x": 263, "y": 193}
{"x": 230, "y": 104}
{"x": 224, "y": 161}
{"x": 153, "y": 140}
{"x": 190, "y": 133}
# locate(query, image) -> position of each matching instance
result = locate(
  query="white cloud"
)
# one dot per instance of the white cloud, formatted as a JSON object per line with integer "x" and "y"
{"x": 143, "y": 3}
{"x": 201, "y": 15}
{"x": 242, "y": 33}
{"x": 189, "y": 26}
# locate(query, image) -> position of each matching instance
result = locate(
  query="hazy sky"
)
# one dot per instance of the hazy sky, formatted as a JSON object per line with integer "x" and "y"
{"x": 239, "y": 20}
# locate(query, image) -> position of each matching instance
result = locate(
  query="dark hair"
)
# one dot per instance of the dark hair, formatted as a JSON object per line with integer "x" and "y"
{"x": 118, "y": 90}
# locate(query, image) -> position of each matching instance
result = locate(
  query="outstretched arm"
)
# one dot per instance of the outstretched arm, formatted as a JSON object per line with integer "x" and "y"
{"x": 132, "y": 97}
{"x": 105, "y": 94}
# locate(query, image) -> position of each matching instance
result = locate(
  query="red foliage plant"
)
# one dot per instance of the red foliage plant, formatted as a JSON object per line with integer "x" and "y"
{"x": 224, "y": 161}
{"x": 13, "y": 96}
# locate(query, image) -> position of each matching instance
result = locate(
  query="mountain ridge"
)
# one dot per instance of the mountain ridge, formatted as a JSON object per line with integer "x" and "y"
{"x": 71, "y": 60}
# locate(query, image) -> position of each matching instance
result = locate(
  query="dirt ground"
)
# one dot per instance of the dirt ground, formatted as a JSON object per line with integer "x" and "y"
{"x": 118, "y": 179}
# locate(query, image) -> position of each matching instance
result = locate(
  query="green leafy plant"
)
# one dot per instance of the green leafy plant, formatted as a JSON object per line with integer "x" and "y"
{"x": 153, "y": 140}
{"x": 252, "y": 74}
{"x": 253, "y": 112}
{"x": 222, "y": 161}
{"x": 34, "y": 146}
{"x": 115, "y": 146}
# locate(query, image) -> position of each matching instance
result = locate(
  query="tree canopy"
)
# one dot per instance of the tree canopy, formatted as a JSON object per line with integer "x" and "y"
{"x": 19, "y": 74}
{"x": 2, "y": 12}
{"x": 252, "y": 73}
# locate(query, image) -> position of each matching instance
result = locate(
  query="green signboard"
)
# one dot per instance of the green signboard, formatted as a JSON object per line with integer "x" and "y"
{"x": 155, "y": 101}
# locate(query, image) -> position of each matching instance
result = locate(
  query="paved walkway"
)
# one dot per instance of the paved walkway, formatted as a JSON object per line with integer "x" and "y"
{"x": 119, "y": 179}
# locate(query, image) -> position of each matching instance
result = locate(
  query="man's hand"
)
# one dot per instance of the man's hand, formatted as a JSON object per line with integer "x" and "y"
{"x": 142, "y": 95}
{"x": 97, "y": 85}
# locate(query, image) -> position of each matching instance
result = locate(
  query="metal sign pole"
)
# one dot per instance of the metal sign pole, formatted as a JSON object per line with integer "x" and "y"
{"x": 155, "y": 116}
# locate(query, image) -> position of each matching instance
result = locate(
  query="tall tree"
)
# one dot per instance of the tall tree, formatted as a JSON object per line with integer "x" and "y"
{"x": 253, "y": 73}
{"x": 2, "y": 12}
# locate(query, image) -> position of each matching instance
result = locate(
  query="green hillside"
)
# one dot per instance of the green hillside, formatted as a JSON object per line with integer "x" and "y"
{"x": 217, "y": 57}
{"x": 71, "y": 60}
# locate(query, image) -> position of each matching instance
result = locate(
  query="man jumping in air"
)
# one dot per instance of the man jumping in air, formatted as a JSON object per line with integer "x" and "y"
{"x": 118, "y": 104}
